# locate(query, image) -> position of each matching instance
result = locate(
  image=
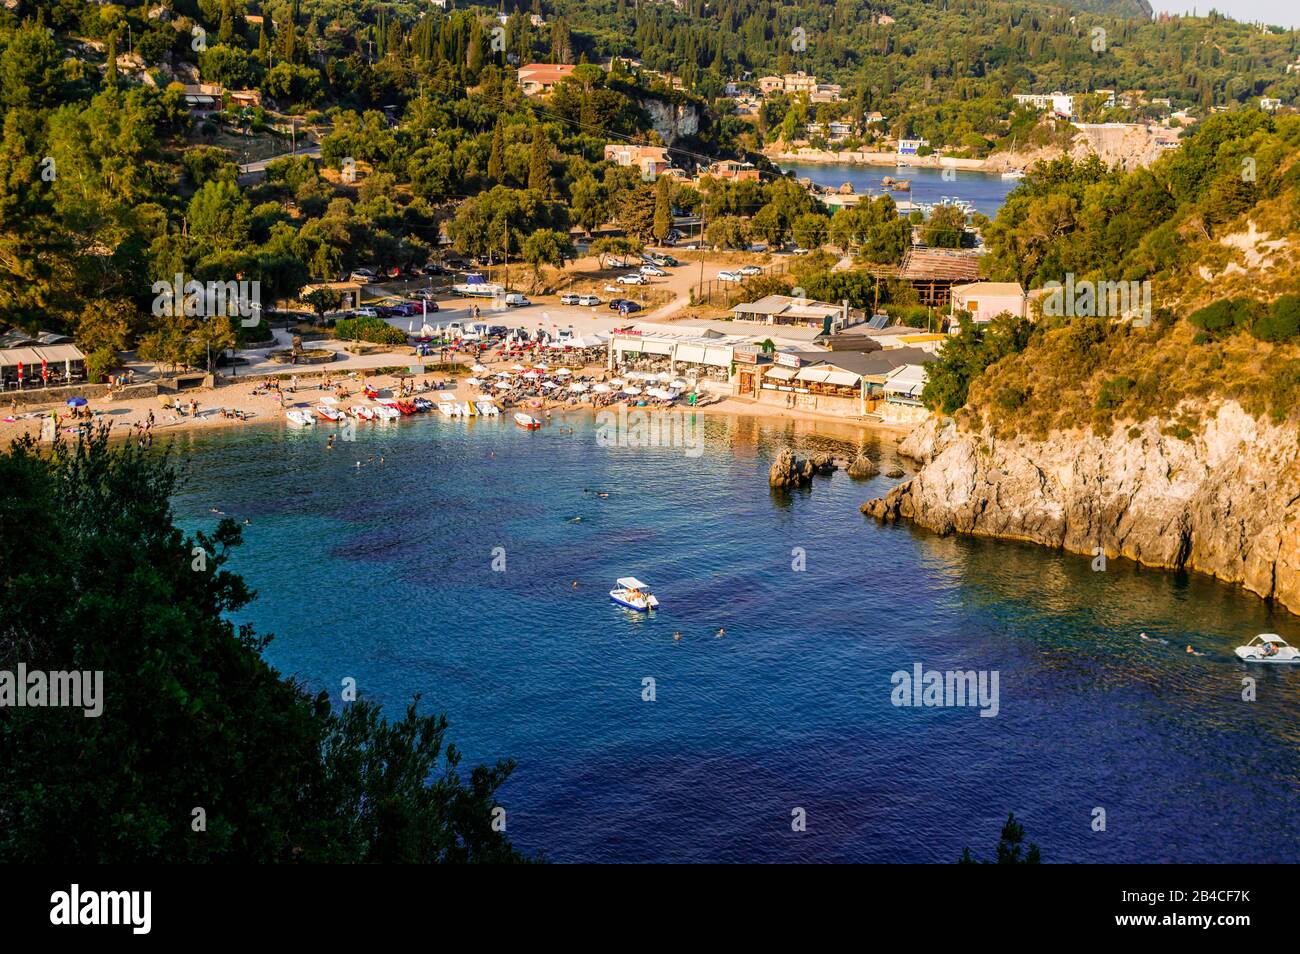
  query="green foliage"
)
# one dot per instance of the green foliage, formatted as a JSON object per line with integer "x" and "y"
{"x": 965, "y": 356}
{"x": 1225, "y": 316}
{"x": 1011, "y": 849}
{"x": 1281, "y": 322}
{"x": 366, "y": 328}
{"x": 96, "y": 577}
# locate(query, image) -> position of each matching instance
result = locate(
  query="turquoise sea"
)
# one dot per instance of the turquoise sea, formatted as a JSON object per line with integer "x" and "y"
{"x": 384, "y": 573}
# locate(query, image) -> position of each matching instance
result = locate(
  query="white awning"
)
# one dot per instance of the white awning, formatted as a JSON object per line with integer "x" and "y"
{"x": 693, "y": 354}
{"x": 719, "y": 357}
{"x": 779, "y": 374}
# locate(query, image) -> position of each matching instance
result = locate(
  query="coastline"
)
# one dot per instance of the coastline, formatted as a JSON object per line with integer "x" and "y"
{"x": 261, "y": 409}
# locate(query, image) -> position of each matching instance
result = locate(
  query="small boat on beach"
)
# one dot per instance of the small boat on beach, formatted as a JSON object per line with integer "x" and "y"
{"x": 328, "y": 413}
{"x": 487, "y": 409}
{"x": 633, "y": 594}
{"x": 386, "y": 413}
{"x": 527, "y": 421}
{"x": 1014, "y": 174}
{"x": 299, "y": 417}
{"x": 1269, "y": 648}
{"x": 362, "y": 413}
{"x": 448, "y": 409}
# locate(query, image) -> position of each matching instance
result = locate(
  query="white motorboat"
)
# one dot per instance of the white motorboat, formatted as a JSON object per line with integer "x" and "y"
{"x": 487, "y": 409}
{"x": 633, "y": 594}
{"x": 527, "y": 421}
{"x": 328, "y": 413}
{"x": 362, "y": 413}
{"x": 1268, "y": 648}
{"x": 1014, "y": 174}
{"x": 386, "y": 413}
{"x": 299, "y": 417}
{"x": 448, "y": 409}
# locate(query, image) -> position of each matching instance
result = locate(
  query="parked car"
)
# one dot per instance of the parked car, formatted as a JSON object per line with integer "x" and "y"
{"x": 664, "y": 261}
{"x": 363, "y": 275}
{"x": 797, "y": 250}
{"x": 632, "y": 279}
{"x": 750, "y": 270}
{"x": 616, "y": 303}
{"x": 628, "y": 307}
{"x": 365, "y": 312}
{"x": 516, "y": 300}
{"x": 588, "y": 299}
{"x": 433, "y": 268}
{"x": 569, "y": 299}
{"x": 654, "y": 270}
{"x": 726, "y": 276}
{"x": 425, "y": 294}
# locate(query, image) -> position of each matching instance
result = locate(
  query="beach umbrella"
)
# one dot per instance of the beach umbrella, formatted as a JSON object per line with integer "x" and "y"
{"x": 599, "y": 388}
{"x": 474, "y": 381}
{"x": 577, "y": 387}
{"x": 517, "y": 367}
{"x": 544, "y": 367}
{"x": 478, "y": 368}
{"x": 532, "y": 373}
{"x": 562, "y": 372}
{"x": 616, "y": 382}
{"x": 549, "y": 385}
{"x": 503, "y": 374}
{"x": 665, "y": 377}
{"x": 679, "y": 384}
{"x": 77, "y": 402}
{"x": 503, "y": 384}
{"x": 632, "y": 389}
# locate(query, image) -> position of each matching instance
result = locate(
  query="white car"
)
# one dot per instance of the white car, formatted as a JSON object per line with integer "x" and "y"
{"x": 750, "y": 270}
{"x": 363, "y": 275}
{"x": 365, "y": 312}
{"x": 631, "y": 280}
{"x": 516, "y": 300}
{"x": 726, "y": 276}
{"x": 653, "y": 270}
{"x": 588, "y": 299}
{"x": 571, "y": 299}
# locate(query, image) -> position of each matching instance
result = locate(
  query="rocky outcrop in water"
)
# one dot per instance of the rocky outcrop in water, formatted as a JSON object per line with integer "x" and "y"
{"x": 1225, "y": 502}
{"x": 863, "y": 467}
{"x": 788, "y": 471}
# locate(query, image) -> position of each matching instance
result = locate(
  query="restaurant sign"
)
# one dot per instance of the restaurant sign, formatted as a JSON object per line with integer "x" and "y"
{"x": 788, "y": 360}
{"x": 745, "y": 354}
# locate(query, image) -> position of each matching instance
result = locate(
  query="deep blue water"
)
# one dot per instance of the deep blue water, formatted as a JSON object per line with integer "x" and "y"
{"x": 384, "y": 574}
{"x": 987, "y": 192}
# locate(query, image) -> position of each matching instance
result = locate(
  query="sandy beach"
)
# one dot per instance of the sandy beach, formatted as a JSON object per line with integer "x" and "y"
{"x": 239, "y": 403}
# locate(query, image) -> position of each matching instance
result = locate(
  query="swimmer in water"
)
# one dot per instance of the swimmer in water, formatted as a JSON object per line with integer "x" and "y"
{"x": 575, "y": 520}
{"x": 575, "y": 584}
{"x": 247, "y": 522}
{"x": 215, "y": 510}
{"x": 602, "y": 493}
{"x": 677, "y": 635}
{"x": 721, "y": 632}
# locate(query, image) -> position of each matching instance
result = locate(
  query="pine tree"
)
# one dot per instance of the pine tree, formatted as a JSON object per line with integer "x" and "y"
{"x": 539, "y": 162}
{"x": 663, "y": 208}
{"x": 110, "y": 77}
{"x": 496, "y": 160}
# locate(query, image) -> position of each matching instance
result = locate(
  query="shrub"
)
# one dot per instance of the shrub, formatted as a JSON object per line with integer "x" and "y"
{"x": 366, "y": 328}
{"x": 1221, "y": 318}
{"x": 1113, "y": 392}
{"x": 1281, "y": 322}
{"x": 100, "y": 362}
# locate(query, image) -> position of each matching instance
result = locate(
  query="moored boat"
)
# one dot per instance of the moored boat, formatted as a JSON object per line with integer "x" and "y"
{"x": 633, "y": 594}
{"x": 527, "y": 421}
{"x": 328, "y": 413}
{"x": 299, "y": 417}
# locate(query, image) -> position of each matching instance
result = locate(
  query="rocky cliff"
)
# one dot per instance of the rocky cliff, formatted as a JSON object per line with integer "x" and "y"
{"x": 1224, "y": 502}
